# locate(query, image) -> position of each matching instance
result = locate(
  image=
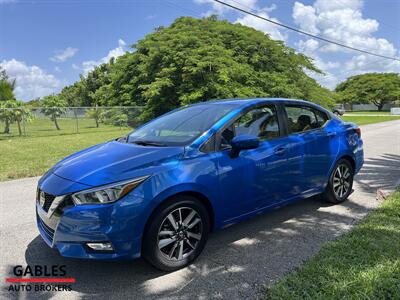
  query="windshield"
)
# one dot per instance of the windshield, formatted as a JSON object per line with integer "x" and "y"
{"x": 180, "y": 127}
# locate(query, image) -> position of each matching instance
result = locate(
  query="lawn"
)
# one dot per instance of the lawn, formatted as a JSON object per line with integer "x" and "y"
{"x": 33, "y": 155}
{"x": 368, "y": 112}
{"x": 362, "y": 264}
{"x": 362, "y": 120}
{"x": 40, "y": 127}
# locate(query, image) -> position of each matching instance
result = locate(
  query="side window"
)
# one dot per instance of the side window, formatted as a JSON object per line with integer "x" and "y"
{"x": 322, "y": 118}
{"x": 303, "y": 118}
{"x": 261, "y": 122}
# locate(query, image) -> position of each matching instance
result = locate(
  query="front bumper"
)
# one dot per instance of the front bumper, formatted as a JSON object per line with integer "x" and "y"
{"x": 70, "y": 228}
{"x": 77, "y": 226}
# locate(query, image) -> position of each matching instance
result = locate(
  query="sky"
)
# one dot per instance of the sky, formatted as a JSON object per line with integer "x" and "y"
{"x": 47, "y": 44}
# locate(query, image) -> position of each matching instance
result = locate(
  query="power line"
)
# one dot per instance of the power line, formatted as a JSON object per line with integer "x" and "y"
{"x": 304, "y": 32}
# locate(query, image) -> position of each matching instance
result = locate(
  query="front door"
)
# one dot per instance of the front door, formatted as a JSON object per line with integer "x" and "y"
{"x": 257, "y": 178}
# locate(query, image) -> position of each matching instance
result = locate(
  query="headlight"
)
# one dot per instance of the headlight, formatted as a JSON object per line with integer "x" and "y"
{"x": 107, "y": 193}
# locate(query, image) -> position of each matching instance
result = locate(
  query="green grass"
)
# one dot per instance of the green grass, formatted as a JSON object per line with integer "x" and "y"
{"x": 362, "y": 264}
{"x": 44, "y": 145}
{"x": 362, "y": 120}
{"x": 368, "y": 112}
{"x": 45, "y": 127}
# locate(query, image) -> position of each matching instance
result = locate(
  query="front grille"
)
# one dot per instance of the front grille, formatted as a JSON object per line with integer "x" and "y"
{"x": 48, "y": 200}
{"x": 49, "y": 233}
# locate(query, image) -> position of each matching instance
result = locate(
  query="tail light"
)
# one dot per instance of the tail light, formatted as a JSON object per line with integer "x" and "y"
{"x": 358, "y": 131}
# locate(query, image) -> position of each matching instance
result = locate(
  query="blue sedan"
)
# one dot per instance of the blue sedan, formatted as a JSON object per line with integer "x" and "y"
{"x": 159, "y": 191}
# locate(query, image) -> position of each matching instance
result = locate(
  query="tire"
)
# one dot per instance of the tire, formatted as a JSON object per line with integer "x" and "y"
{"x": 171, "y": 247}
{"x": 340, "y": 184}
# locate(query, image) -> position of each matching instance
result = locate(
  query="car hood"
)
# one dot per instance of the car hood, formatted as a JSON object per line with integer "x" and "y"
{"x": 114, "y": 161}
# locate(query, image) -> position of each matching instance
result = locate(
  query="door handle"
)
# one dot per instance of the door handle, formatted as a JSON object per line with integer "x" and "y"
{"x": 280, "y": 151}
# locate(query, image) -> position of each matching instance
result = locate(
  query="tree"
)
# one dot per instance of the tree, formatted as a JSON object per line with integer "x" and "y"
{"x": 34, "y": 103}
{"x": 375, "y": 88}
{"x": 83, "y": 92}
{"x": 7, "y": 100}
{"x": 54, "y": 107}
{"x": 96, "y": 114}
{"x": 115, "y": 117}
{"x": 7, "y": 114}
{"x": 7, "y": 86}
{"x": 6, "y": 90}
{"x": 21, "y": 114}
{"x": 200, "y": 59}
{"x": 197, "y": 60}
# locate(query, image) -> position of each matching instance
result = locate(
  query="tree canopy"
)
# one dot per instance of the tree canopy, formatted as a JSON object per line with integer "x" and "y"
{"x": 6, "y": 86}
{"x": 54, "y": 107}
{"x": 375, "y": 88}
{"x": 197, "y": 60}
{"x": 7, "y": 100}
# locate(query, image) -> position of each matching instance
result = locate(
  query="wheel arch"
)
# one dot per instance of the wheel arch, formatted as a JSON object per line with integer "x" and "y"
{"x": 350, "y": 159}
{"x": 168, "y": 196}
{"x": 345, "y": 156}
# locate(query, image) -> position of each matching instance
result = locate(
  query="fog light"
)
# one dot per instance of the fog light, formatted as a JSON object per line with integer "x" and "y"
{"x": 100, "y": 246}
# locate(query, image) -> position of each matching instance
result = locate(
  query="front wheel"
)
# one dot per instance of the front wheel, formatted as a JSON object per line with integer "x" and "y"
{"x": 176, "y": 234}
{"x": 340, "y": 182}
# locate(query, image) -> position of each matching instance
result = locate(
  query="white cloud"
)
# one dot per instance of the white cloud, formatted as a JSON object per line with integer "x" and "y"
{"x": 63, "y": 55}
{"x": 7, "y": 1}
{"x": 31, "y": 81}
{"x": 262, "y": 25}
{"x": 89, "y": 65}
{"x": 311, "y": 47}
{"x": 248, "y": 20}
{"x": 343, "y": 21}
{"x": 305, "y": 17}
{"x": 328, "y": 5}
{"x": 366, "y": 64}
{"x": 328, "y": 80}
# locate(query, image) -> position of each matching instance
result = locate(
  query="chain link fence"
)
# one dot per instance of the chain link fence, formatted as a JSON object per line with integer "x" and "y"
{"x": 50, "y": 121}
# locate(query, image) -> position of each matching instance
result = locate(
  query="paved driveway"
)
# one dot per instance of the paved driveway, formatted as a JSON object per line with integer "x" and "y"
{"x": 237, "y": 262}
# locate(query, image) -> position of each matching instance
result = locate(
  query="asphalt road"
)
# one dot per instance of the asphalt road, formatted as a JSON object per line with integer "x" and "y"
{"x": 238, "y": 262}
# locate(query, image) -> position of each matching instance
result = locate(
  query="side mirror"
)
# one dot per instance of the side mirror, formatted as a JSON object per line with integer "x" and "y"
{"x": 243, "y": 142}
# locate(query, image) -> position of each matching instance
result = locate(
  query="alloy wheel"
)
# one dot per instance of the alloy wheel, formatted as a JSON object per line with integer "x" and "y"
{"x": 341, "y": 181}
{"x": 180, "y": 233}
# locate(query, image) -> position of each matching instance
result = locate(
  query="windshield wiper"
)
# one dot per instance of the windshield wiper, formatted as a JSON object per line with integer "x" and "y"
{"x": 148, "y": 143}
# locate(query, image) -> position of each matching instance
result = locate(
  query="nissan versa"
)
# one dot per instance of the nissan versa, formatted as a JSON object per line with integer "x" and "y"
{"x": 159, "y": 191}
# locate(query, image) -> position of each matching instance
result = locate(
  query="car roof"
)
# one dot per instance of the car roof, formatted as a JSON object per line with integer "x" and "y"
{"x": 251, "y": 101}
{"x": 242, "y": 103}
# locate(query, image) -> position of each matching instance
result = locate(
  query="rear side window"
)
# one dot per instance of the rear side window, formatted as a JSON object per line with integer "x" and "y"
{"x": 322, "y": 117}
{"x": 304, "y": 118}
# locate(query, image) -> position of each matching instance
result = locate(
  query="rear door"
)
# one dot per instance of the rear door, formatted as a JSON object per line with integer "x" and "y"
{"x": 311, "y": 142}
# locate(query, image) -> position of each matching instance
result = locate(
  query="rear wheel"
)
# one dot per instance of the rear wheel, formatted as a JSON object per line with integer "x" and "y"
{"x": 340, "y": 182}
{"x": 176, "y": 234}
